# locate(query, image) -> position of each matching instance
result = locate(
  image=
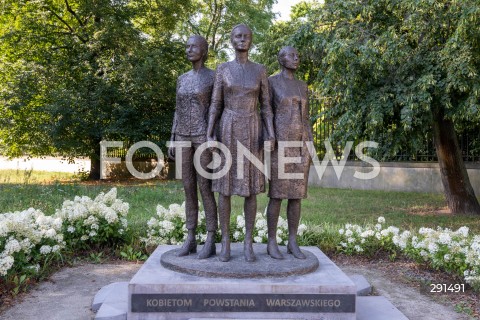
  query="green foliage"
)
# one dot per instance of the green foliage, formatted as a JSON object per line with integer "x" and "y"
{"x": 215, "y": 19}
{"x": 96, "y": 257}
{"x": 19, "y": 284}
{"x": 385, "y": 65}
{"x": 300, "y": 32}
{"x": 129, "y": 253}
{"x": 80, "y": 71}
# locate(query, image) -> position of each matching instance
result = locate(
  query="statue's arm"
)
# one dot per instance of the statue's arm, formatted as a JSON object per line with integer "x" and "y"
{"x": 306, "y": 122}
{"x": 171, "y": 149}
{"x": 216, "y": 105}
{"x": 266, "y": 106}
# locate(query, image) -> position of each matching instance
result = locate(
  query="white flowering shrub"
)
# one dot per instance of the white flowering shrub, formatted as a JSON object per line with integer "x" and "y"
{"x": 260, "y": 231}
{"x": 96, "y": 222}
{"x": 168, "y": 227}
{"x": 27, "y": 240}
{"x": 456, "y": 252}
{"x": 368, "y": 240}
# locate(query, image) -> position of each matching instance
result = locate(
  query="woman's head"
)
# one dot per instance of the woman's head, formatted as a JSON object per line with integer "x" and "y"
{"x": 241, "y": 37}
{"x": 196, "y": 48}
{"x": 288, "y": 58}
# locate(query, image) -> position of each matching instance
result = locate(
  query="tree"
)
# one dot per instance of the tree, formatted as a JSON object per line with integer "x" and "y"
{"x": 393, "y": 70}
{"x": 80, "y": 71}
{"x": 214, "y": 19}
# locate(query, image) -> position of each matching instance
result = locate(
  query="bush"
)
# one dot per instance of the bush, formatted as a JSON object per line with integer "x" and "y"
{"x": 28, "y": 240}
{"x": 169, "y": 227}
{"x": 455, "y": 252}
{"x": 91, "y": 223}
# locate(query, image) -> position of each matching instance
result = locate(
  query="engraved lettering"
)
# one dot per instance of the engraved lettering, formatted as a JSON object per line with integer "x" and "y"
{"x": 169, "y": 302}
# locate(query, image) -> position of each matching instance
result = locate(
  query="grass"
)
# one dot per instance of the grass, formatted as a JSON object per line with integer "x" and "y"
{"x": 32, "y": 177}
{"x": 327, "y": 208}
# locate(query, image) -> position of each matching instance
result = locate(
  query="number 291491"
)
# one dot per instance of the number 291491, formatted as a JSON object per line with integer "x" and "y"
{"x": 446, "y": 288}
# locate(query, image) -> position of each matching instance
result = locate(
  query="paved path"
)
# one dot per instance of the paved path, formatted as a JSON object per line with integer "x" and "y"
{"x": 68, "y": 294}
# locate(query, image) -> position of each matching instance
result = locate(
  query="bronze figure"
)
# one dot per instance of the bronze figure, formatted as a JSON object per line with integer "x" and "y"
{"x": 289, "y": 100}
{"x": 194, "y": 90}
{"x": 234, "y": 118}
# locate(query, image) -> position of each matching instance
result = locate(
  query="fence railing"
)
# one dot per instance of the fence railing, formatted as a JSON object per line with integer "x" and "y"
{"x": 323, "y": 129}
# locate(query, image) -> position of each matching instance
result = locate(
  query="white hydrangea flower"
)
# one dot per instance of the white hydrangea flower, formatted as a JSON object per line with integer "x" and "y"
{"x": 6, "y": 264}
{"x": 45, "y": 249}
{"x": 3, "y": 229}
{"x": 240, "y": 221}
{"x": 51, "y": 233}
{"x": 444, "y": 238}
{"x": 261, "y": 223}
{"x": 236, "y": 235}
{"x": 463, "y": 231}
{"x": 111, "y": 216}
{"x": 301, "y": 229}
{"x": 381, "y": 220}
{"x": 279, "y": 239}
{"x": 367, "y": 233}
{"x": 12, "y": 246}
{"x": 358, "y": 248}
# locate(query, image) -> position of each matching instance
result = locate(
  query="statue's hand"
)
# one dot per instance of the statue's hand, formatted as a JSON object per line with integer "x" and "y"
{"x": 269, "y": 144}
{"x": 171, "y": 153}
{"x": 212, "y": 142}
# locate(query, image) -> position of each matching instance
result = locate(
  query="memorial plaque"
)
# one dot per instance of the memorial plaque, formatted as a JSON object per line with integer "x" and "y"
{"x": 316, "y": 303}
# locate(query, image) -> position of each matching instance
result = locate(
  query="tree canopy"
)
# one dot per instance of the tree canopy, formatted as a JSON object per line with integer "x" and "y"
{"x": 75, "y": 72}
{"x": 390, "y": 71}
{"x": 214, "y": 19}
{"x": 79, "y": 71}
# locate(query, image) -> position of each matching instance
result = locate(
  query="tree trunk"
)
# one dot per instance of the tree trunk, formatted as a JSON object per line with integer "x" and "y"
{"x": 94, "y": 168}
{"x": 458, "y": 190}
{"x": 95, "y": 162}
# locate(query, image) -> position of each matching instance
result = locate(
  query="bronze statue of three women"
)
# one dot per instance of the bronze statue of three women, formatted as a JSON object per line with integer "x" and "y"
{"x": 239, "y": 106}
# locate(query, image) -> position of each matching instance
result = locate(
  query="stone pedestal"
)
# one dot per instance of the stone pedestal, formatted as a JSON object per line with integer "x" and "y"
{"x": 156, "y": 292}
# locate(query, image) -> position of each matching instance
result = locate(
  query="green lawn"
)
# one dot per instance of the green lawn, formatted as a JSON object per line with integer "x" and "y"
{"x": 329, "y": 208}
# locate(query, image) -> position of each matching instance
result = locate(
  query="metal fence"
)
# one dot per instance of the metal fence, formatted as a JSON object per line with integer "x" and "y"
{"x": 323, "y": 129}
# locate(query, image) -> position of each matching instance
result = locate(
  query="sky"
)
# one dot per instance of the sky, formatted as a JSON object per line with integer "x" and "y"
{"x": 283, "y": 7}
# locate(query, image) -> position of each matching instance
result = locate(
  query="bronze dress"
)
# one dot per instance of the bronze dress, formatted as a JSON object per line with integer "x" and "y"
{"x": 289, "y": 100}
{"x": 237, "y": 91}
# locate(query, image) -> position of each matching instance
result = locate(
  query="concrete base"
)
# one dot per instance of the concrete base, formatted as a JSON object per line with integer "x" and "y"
{"x": 164, "y": 294}
{"x": 363, "y": 287}
{"x": 155, "y": 293}
{"x": 377, "y": 308}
